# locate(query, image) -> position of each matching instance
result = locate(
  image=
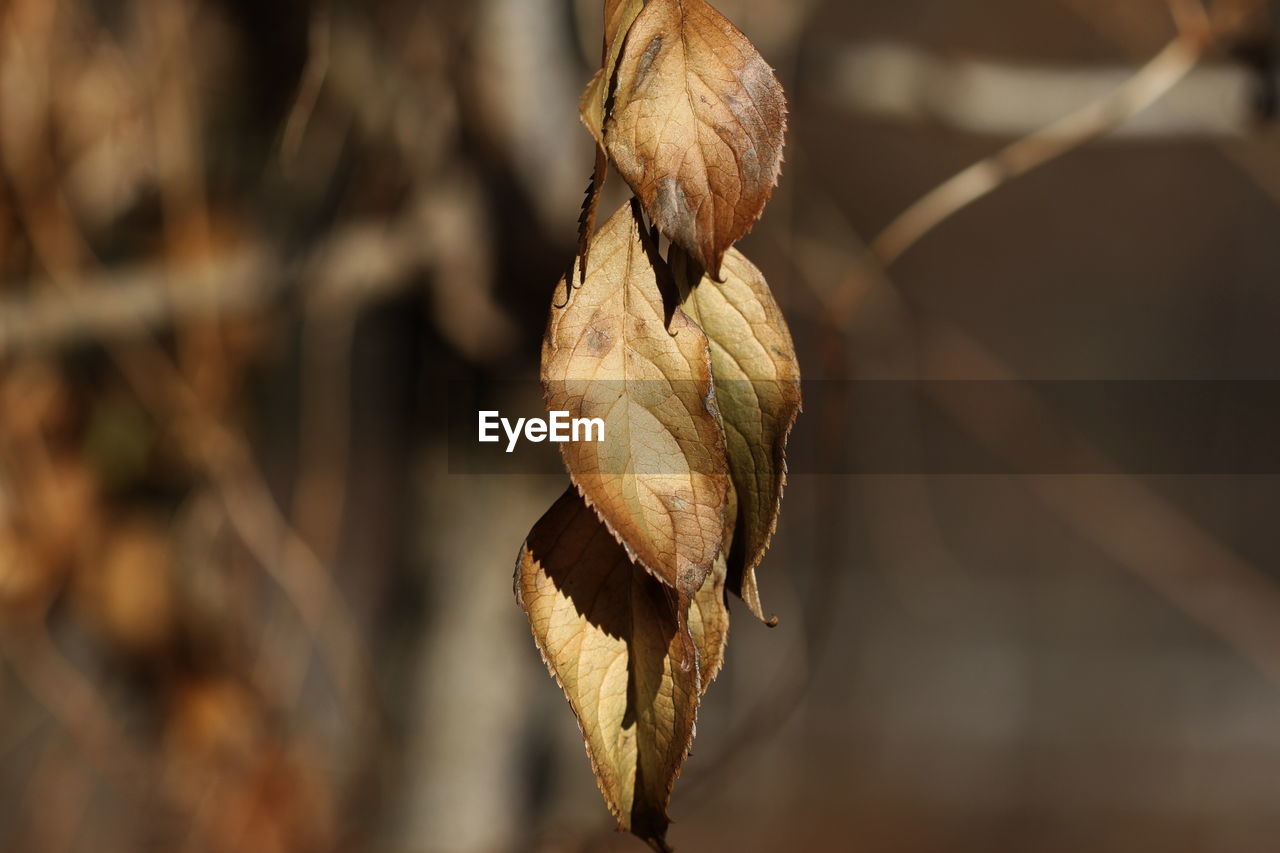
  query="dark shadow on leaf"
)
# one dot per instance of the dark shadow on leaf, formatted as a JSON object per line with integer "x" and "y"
{"x": 585, "y": 564}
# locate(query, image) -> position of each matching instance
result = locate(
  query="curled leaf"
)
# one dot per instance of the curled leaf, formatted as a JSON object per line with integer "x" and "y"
{"x": 708, "y": 618}
{"x": 610, "y": 635}
{"x": 618, "y": 18}
{"x": 695, "y": 126}
{"x": 590, "y": 206}
{"x": 757, "y": 381}
{"x": 619, "y": 350}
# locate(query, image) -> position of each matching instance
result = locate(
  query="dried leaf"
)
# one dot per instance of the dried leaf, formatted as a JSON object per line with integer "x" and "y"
{"x": 615, "y": 351}
{"x": 696, "y": 126}
{"x": 757, "y": 381}
{"x": 610, "y": 635}
{"x": 592, "y": 103}
{"x": 709, "y": 613}
{"x": 590, "y": 205}
{"x": 618, "y": 18}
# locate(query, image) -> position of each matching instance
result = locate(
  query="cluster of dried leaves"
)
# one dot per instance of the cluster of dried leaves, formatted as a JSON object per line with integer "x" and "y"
{"x": 689, "y": 363}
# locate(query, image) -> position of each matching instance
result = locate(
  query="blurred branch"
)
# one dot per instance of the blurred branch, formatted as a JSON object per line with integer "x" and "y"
{"x": 312, "y": 83}
{"x": 63, "y": 692}
{"x": 69, "y": 697}
{"x": 1253, "y": 26}
{"x": 1124, "y": 518}
{"x": 1140, "y": 91}
{"x": 1128, "y": 521}
{"x": 219, "y": 451}
{"x": 902, "y": 82}
{"x": 358, "y": 264}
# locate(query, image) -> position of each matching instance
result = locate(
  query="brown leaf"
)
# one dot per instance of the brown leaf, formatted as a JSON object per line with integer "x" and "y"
{"x": 590, "y": 205}
{"x": 618, "y": 18}
{"x": 609, "y": 634}
{"x": 709, "y": 613}
{"x": 618, "y": 350}
{"x": 696, "y": 126}
{"x": 757, "y": 381}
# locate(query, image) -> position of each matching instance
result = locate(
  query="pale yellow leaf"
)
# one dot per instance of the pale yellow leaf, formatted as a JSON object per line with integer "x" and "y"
{"x": 708, "y": 612}
{"x": 610, "y": 634}
{"x": 757, "y": 381}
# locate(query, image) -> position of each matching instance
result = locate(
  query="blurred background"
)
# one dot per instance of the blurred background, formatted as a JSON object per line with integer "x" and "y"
{"x": 250, "y": 601}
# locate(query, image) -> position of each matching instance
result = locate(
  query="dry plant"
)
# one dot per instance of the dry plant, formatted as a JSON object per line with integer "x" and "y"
{"x": 161, "y": 604}
{"x": 688, "y": 362}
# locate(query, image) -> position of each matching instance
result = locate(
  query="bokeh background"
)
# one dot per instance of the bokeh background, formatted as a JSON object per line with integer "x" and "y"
{"x": 250, "y": 601}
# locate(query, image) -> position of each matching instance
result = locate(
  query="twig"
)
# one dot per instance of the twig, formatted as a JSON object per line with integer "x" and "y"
{"x": 226, "y": 462}
{"x": 1146, "y": 86}
{"x": 309, "y": 88}
{"x": 222, "y": 454}
{"x": 1156, "y": 78}
{"x": 357, "y": 264}
{"x": 1177, "y": 558}
{"x": 1126, "y": 519}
